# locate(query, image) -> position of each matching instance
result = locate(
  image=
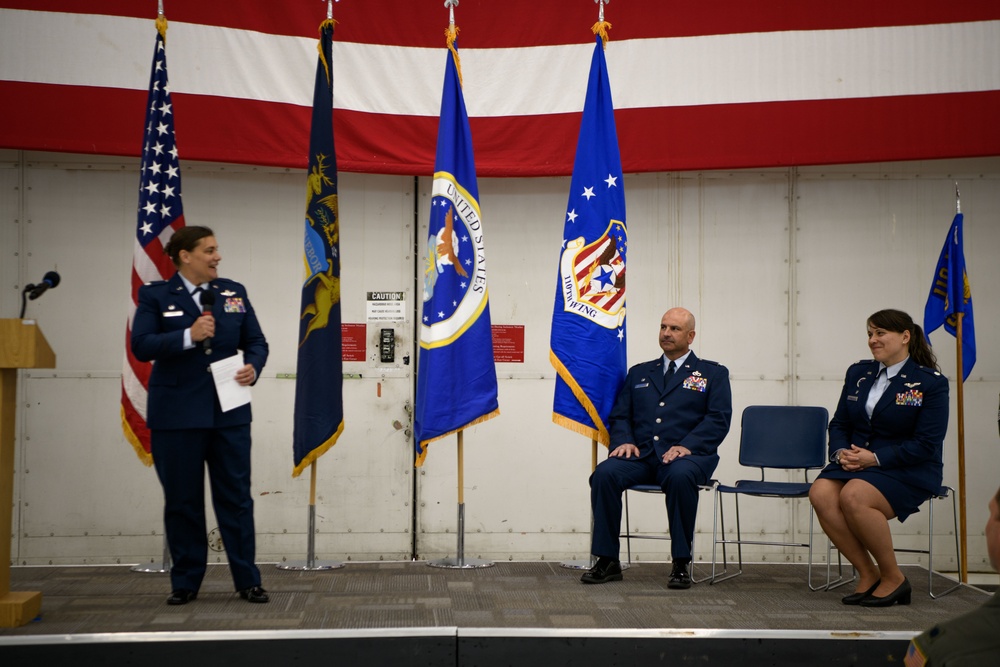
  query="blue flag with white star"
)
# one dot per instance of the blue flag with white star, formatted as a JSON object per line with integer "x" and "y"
{"x": 456, "y": 375}
{"x": 951, "y": 294}
{"x": 587, "y": 343}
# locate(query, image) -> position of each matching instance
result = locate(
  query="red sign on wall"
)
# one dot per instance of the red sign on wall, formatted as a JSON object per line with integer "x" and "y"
{"x": 508, "y": 343}
{"x": 353, "y": 337}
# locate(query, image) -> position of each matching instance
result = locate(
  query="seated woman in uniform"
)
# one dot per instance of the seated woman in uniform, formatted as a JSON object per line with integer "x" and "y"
{"x": 886, "y": 439}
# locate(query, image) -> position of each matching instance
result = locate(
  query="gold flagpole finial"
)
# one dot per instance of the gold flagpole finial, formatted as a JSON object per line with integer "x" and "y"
{"x": 161, "y": 21}
{"x": 451, "y": 34}
{"x": 601, "y": 27}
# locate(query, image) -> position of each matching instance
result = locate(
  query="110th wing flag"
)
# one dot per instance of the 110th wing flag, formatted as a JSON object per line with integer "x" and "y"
{"x": 588, "y": 347}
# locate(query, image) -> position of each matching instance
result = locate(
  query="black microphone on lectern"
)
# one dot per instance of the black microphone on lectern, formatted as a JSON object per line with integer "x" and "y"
{"x": 51, "y": 279}
{"x": 207, "y": 301}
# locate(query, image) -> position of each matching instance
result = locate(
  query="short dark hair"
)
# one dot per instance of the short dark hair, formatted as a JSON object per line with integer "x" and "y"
{"x": 185, "y": 238}
{"x": 898, "y": 322}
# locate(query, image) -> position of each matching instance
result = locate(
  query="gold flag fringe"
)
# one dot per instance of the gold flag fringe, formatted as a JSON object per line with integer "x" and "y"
{"x": 451, "y": 34}
{"x": 601, "y": 433}
{"x": 319, "y": 46}
{"x": 479, "y": 420}
{"x": 318, "y": 451}
{"x": 161, "y": 27}
{"x": 601, "y": 28}
{"x": 577, "y": 427}
{"x": 133, "y": 439}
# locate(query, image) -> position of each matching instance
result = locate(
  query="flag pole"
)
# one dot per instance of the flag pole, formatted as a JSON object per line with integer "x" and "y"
{"x": 163, "y": 567}
{"x": 310, "y": 564}
{"x": 460, "y": 561}
{"x": 154, "y": 568}
{"x": 587, "y": 563}
{"x": 963, "y": 565}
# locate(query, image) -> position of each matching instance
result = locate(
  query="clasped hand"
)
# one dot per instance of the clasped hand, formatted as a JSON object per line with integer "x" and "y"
{"x": 855, "y": 459}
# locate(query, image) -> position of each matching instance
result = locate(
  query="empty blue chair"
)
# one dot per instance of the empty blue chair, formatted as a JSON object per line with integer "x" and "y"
{"x": 782, "y": 437}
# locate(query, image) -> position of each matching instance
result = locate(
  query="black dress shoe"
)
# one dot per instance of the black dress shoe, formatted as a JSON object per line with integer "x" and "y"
{"x": 181, "y": 596}
{"x": 254, "y": 594}
{"x": 856, "y": 598}
{"x": 604, "y": 571}
{"x": 679, "y": 577}
{"x": 901, "y": 595}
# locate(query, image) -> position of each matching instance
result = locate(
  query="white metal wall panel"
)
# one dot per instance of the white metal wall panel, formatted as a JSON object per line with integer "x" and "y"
{"x": 720, "y": 244}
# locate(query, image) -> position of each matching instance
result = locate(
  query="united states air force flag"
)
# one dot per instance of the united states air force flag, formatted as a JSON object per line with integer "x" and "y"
{"x": 951, "y": 294}
{"x": 588, "y": 322}
{"x": 456, "y": 376}
{"x": 319, "y": 375}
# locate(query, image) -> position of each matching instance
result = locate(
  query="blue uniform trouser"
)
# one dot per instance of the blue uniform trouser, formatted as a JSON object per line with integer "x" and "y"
{"x": 679, "y": 481}
{"x": 180, "y": 458}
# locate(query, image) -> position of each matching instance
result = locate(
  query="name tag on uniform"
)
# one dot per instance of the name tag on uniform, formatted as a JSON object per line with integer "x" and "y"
{"x": 641, "y": 385}
{"x": 852, "y": 398}
{"x": 173, "y": 313}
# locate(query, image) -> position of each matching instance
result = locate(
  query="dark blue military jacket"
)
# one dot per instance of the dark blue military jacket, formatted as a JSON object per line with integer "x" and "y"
{"x": 181, "y": 389}
{"x": 693, "y": 408}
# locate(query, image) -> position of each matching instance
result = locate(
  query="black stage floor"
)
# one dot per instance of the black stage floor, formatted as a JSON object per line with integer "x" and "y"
{"x": 507, "y": 614}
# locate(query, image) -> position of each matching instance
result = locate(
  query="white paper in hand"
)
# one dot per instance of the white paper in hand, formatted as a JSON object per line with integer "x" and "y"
{"x": 231, "y": 393}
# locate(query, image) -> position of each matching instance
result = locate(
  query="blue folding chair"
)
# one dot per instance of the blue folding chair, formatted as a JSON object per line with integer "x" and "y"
{"x": 629, "y": 535}
{"x": 943, "y": 494}
{"x": 785, "y": 437}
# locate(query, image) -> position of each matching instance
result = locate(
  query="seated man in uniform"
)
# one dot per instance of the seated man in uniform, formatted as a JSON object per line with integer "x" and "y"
{"x": 667, "y": 423}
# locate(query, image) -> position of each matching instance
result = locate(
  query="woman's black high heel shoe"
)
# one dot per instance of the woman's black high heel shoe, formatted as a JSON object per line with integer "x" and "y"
{"x": 900, "y": 595}
{"x": 856, "y": 598}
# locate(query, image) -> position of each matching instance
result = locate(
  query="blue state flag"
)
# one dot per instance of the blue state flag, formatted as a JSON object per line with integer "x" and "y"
{"x": 951, "y": 294}
{"x": 588, "y": 347}
{"x": 456, "y": 375}
{"x": 319, "y": 375}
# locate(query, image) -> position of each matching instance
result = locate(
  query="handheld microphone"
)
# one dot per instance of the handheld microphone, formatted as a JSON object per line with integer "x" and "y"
{"x": 207, "y": 301}
{"x": 51, "y": 279}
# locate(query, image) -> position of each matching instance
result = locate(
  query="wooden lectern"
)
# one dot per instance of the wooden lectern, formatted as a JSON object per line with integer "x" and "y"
{"x": 22, "y": 345}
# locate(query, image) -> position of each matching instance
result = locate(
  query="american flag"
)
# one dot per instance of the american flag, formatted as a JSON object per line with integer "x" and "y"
{"x": 726, "y": 84}
{"x": 160, "y": 213}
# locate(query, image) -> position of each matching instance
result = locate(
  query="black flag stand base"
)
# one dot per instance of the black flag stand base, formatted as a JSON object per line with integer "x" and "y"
{"x": 460, "y": 561}
{"x": 154, "y": 568}
{"x": 310, "y": 563}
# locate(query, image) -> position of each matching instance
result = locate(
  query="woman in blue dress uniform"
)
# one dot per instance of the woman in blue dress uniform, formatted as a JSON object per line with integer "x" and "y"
{"x": 183, "y": 333}
{"x": 886, "y": 440}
